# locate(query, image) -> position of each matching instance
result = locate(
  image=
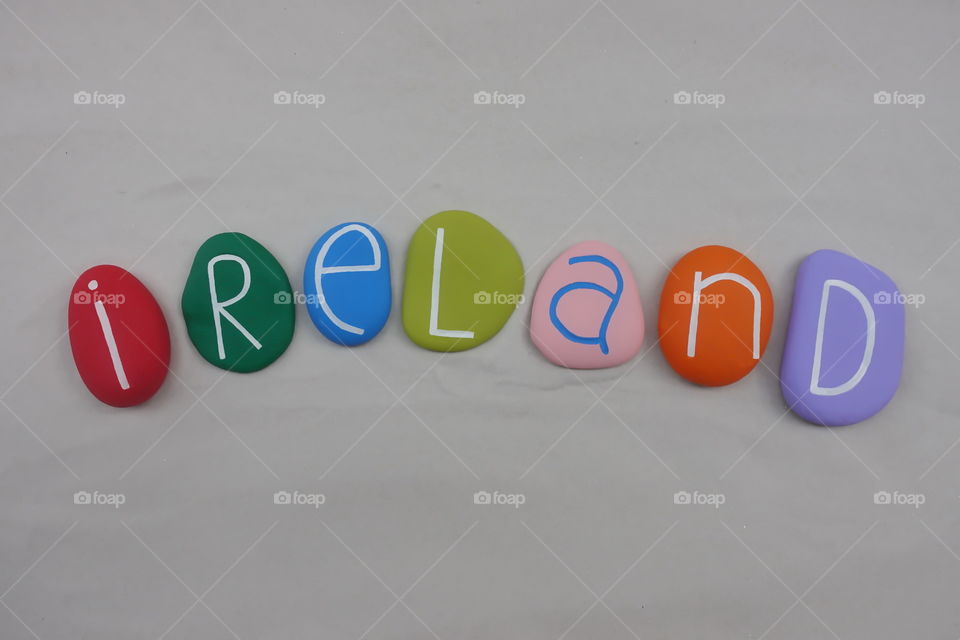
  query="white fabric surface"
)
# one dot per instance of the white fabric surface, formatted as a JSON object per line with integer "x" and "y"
{"x": 798, "y": 158}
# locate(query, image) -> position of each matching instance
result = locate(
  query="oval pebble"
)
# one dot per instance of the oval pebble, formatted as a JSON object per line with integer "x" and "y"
{"x": 463, "y": 280}
{"x": 586, "y": 311}
{"x": 844, "y": 349}
{"x": 238, "y": 304}
{"x": 118, "y": 335}
{"x": 716, "y": 312}
{"x": 346, "y": 283}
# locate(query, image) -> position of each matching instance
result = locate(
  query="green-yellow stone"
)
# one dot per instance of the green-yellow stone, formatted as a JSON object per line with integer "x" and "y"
{"x": 264, "y": 312}
{"x": 463, "y": 280}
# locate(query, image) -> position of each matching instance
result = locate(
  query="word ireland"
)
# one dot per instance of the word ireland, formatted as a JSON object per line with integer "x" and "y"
{"x": 462, "y": 281}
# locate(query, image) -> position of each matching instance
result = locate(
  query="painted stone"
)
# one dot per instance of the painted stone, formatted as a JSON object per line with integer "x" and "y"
{"x": 346, "y": 283}
{"x": 118, "y": 335}
{"x": 586, "y": 310}
{"x": 844, "y": 349}
{"x": 238, "y": 304}
{"x": 463, "y": 280}
{"x": 716, "y": 312}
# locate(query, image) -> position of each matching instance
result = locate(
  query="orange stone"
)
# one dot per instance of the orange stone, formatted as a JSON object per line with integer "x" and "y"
{"x": 716, "y": 312}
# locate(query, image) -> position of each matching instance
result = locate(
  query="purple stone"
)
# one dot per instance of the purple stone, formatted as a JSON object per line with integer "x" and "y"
{"x": 844, "y": 349}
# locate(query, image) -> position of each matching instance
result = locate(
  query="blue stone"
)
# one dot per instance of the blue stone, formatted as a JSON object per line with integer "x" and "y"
{"x": 844, "y": 349}
{"x": 346, "y": 284}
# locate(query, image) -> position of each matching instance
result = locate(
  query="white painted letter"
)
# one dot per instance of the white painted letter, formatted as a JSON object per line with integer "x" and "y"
{"x": 220, "y": 307}
{"x": 435, "y": 295}
{"x": 109, "y": 337}
{"x": 699, "y": 285}
{"x": 319, "y": 270}
{"x": 871, "y": 318}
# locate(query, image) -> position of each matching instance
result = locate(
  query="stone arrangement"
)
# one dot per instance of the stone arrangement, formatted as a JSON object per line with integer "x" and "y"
{"x": 842, "y": 358}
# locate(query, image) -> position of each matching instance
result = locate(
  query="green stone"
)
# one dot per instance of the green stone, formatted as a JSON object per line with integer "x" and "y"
{"x": 463, "y": 280}
{"x": 244, "y": 320}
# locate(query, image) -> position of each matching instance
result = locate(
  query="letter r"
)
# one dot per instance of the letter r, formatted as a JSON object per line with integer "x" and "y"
{"x": 220, "y": 306}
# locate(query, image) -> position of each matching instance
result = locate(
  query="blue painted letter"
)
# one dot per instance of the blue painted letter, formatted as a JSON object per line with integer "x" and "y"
{"x": 601, "y": 337}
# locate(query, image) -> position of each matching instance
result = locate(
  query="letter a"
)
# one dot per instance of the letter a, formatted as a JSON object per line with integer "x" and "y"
{"x": 601, "y": 337}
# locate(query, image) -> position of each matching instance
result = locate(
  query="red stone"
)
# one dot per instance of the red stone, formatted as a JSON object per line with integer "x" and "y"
{"x": 119, "y": 337}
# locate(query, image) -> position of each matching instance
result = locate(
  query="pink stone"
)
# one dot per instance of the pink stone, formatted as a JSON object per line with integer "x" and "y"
{"x": 586, "y": 310}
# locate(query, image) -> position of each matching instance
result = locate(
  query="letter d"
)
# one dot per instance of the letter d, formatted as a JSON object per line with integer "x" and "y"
{"x": 843, "y": 354}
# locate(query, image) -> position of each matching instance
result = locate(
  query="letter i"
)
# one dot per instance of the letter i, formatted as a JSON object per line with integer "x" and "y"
{"x": 109, "y": 338}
